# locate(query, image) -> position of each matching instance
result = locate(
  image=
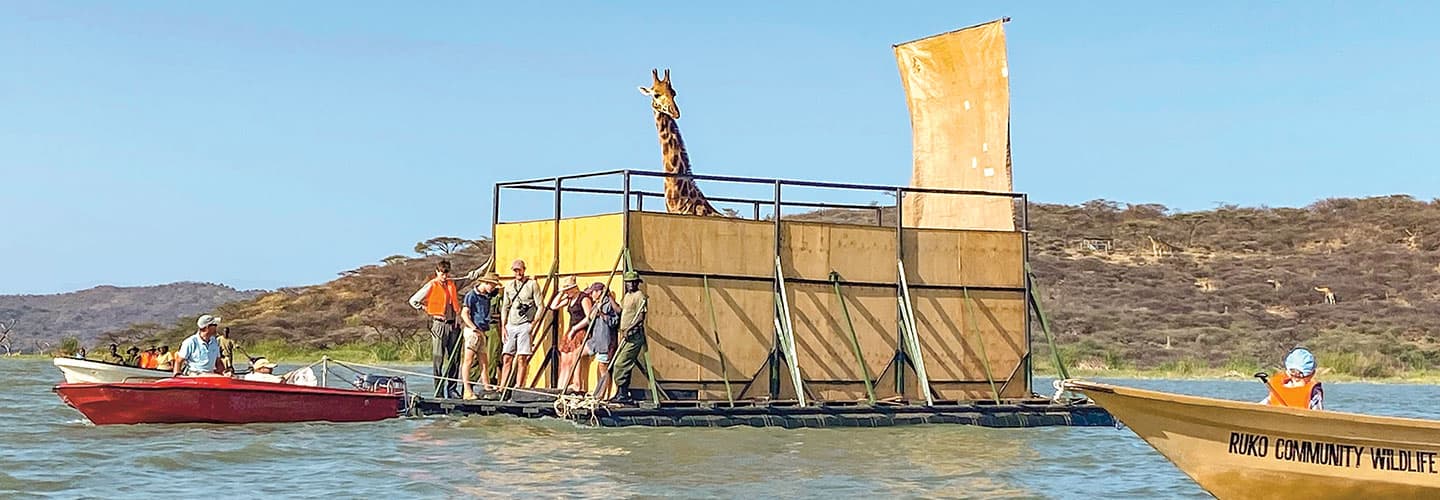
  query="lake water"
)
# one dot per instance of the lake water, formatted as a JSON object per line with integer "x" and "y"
{"x": 50, "y": 450}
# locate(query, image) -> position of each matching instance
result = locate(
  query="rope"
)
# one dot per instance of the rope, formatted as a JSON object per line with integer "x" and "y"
{"x": 350, "y": 364}
{"x": 907, "y": 313}
{"x": 569, "y": 407}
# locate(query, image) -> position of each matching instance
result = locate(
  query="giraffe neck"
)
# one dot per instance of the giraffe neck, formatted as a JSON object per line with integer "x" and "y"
{"x": 672, "y": 145}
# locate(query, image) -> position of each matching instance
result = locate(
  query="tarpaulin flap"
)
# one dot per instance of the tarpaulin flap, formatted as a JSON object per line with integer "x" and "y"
{"x": 957, "y": 88}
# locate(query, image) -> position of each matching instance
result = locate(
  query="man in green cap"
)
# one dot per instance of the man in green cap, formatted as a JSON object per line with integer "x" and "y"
{"x": 632, "y": 328}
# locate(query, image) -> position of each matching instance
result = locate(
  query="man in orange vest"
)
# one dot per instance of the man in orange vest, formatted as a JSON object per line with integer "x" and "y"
{"x": 440, "y": 300}
{"x": 1296, "y": 387}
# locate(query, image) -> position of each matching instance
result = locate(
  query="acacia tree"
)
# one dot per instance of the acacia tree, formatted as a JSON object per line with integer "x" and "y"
{"x": 443, "y": 245}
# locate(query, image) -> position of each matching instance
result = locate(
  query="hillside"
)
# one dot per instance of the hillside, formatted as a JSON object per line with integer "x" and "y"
{"x": 1231, "y": 286}
{"x": 1237, "y": 286}
{"x": 42, "y": 320}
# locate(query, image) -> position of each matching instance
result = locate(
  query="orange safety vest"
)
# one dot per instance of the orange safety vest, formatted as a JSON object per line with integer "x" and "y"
{"x": 1294, "y": 397}
{"x": 147, "y": 360}
{"x": 441, "y": 293}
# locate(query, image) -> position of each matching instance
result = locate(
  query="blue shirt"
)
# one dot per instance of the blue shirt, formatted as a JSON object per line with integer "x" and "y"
{"x": 479, "y": 309}
{"x": 199, "y": 356}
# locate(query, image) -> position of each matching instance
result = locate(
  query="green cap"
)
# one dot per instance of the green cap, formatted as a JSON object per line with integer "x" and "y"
{"x": 632, "y": 276}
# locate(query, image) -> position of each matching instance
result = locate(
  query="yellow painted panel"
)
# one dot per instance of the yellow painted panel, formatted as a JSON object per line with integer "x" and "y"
{"x": 531, "y": 241}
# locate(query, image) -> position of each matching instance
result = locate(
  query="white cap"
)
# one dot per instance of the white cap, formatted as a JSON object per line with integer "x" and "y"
{"x": 207, "y": 320}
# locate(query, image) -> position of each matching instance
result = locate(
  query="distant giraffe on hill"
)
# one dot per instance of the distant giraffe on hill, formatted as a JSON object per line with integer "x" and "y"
{"x": 1329, "y": 295}
{"x": 682, "y": 196}
{"x": 1159, "y": 248}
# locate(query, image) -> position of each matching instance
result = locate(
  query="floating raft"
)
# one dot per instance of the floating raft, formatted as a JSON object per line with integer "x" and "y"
{"x": 789, "y": 415}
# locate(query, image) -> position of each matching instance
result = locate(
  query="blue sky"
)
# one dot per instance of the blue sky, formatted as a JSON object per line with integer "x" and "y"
{"x": 265, "y": 144}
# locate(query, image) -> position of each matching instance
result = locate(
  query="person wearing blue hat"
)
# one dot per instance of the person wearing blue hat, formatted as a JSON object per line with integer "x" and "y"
{"x": 1296, "y": 387}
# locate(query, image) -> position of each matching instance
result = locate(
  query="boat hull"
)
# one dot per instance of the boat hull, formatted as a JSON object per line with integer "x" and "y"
{"x": 224, "y": 400}
{"x": 1246, "y": 450}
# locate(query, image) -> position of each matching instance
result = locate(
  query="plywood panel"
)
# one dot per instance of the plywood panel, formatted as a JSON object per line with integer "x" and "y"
{"x": 941, "y": 319}
{"x": 590, "y": 244}
{"x": 992, "y": 258}
{"x": 822, "y": 339}
{"x": 865, "y": 254}
{"x": 532, "y": 241}
{"x": 805, "y": 250}
{"x": 713, "y": 245}
{"x": 681, "y": 340}
{"x": 964, "y": 258}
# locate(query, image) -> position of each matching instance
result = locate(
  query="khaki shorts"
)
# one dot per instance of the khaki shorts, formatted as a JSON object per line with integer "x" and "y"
{"x": 472, "y": 339}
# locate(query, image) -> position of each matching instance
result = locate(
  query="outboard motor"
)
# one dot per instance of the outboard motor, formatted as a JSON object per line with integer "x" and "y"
{"x": 386, "y": 384}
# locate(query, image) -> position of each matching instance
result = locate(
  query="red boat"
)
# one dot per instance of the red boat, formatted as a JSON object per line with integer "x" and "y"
{"x": 225, "y": 400}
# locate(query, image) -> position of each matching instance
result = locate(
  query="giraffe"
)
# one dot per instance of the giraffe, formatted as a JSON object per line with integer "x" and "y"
{"x": 682, "y": 196}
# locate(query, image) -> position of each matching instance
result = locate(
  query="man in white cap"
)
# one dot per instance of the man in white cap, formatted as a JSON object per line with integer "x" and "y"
{"x": 200, "y": 353}
{"x": 263, "y": 370}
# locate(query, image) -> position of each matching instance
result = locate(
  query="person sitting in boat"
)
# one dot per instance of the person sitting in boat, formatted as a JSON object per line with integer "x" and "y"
{"x": 147, "y": 358}
{"x": 262, "y": 370}
{"x": 200, "y": 353}
{"x": 132, "y": 357}
{"x": 1296, "y": 387}
{"x": 165, "y": 360}
{"x": 114, "y": 357}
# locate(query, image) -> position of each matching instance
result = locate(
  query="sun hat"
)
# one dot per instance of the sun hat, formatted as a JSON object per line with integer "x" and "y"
{"x": 262, "y": 363}
{"x": 518, "y": 264}
{"x": 595, "y": 287}
{"x": 569, "y": 284}
{"x": 632, "y": 276}
{"x": 1301, "y": 360}
{"x": 207, "y": 320}
{"x": 491, "y": 278}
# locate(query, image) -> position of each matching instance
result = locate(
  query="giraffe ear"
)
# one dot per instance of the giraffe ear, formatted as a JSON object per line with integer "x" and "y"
{"x": 646, "y": 91}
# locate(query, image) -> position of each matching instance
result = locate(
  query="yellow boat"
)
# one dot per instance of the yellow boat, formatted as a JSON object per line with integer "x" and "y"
{"x": 1246, "y": 450}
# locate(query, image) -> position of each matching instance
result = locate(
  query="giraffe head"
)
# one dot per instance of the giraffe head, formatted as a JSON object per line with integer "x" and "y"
{"x": 662, "y": 95}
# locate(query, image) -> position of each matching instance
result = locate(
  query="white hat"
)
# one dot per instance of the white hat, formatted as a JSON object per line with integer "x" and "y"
{"x": 207, "y": 320}
{"x": 262, "y": 363}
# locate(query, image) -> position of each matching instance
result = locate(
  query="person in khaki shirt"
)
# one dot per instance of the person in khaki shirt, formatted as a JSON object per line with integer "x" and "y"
{"x": 632, "y": 330}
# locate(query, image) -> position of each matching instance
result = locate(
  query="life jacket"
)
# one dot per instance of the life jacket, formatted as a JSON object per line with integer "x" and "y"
{"x": 442, "y": 292}
{"x": 1294, "y": 396}
{"x": 147, "y": 360}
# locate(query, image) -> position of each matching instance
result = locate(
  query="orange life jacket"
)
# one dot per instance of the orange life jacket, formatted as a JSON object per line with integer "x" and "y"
{"x": 147, "y": 360}
{"x": 442, "y": 292}
{"x": 1294, "y": 396}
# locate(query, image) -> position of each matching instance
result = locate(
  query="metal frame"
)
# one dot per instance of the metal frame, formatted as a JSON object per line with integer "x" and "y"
{"x": 628, "y": 193}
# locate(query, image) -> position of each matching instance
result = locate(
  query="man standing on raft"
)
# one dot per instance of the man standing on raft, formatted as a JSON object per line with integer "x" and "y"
{"x": 440, "y": 300}
{"x": 632, "y": 328}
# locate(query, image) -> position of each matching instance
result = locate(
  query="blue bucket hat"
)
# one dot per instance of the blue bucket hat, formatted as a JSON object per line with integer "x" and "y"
{"x": 1302, "y": 360}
